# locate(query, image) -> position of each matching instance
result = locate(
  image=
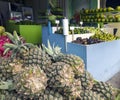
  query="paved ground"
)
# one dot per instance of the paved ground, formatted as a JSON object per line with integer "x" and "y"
{"x": 115, "y": 80}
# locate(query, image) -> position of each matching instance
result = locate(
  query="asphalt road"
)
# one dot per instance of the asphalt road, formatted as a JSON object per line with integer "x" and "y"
{"x": 115, "y": 80}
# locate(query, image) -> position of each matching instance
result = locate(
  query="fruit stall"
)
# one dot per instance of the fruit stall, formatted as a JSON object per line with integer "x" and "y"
{"x": 58, "y": 60}
{"x": 101, "y": 57}
{"x": 32, "y": 72}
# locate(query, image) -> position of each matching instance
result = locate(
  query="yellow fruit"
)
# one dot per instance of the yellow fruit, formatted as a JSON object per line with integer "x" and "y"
{"x": 117, "y": 16}
{"x": 118, "y": 8}
{"x": 86, "y": 11}
{"x": 110, "y": 9}
{"x": 102, "y": 16}
{"x": 2, "y": 30}
{"x": 118, "y": 19}
{"x": 103, "y": 20}
{"x": 98, "y": 15}
{"x": 104, "y": 9}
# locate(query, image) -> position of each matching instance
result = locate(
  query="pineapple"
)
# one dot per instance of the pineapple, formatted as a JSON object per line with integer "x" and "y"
{"x": 104, "y": 89}
{"x": 16, "y": 66}
{"x": 52, "y": 95}
{"x": 6, "y": 90}
{"x": 5, "y": 71}
{"x": 9, "y": 95}
{"x": 61, "y": 79}
{"x": 59, "y": 73}
{"x": 31, "y": 82}
{"x": 27, "y": 75}
{"x": 9, "y": 68}
{"x": 35, "y": 56}
{"x": 27, "y": 52}
{"x": 89, "y": 95}
{"x": 74, "y": 61}
{"x": 86, "y": 79}
{"x": 76, "y": 89}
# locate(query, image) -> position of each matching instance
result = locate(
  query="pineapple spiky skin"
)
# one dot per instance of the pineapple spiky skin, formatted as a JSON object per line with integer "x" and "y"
{"x": 76, "y": 89}
{"x": 52, "y": 95}
{"x": 61, "y": 77}
{"x": 10, "y": 95}
{"x": 89, "y": 95}
{"x": 74, "y": 61}
{"x": 8, "y": 68}
{"x": 31, "y": 82}
{"x": 36, "y": 56}
{"x": 86, "y": 79}
{"x": 5, "y": 71}
{"x": 104, "y": 89}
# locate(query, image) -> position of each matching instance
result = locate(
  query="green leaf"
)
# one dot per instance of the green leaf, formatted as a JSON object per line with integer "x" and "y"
{"x": 29, "y": 44}
{"x": 16, "y": 36}
{"x": 11, "y": 37}
{"x": 50, "y": 52}
{"x": 49, "y": 46}
{"x": 9, "y": 45}
{"x": 118, "y": 97}
{"x": 6, "y": 51}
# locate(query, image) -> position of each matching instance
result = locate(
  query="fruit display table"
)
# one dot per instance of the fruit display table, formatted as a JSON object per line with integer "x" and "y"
{"x": 102, "y": 60}
{"x": 31, "y": 33}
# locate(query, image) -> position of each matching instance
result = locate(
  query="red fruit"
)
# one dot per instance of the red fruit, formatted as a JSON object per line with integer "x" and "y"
{"x": 3, "y": 40}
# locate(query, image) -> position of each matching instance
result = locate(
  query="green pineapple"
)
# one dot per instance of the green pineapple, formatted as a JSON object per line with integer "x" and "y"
{"x": 31, "y": 82}
{"x": 61, "y": 79}
{"x": 62, "y": 66}
{"x": 9, "y": 68}
{"x": 4, "y": 73}
{"x": 74, "y": 61}
{"x": 25, "y": 67}
{"x": 9, "y": 95}
{"x": 89, "y": 95}
{"x": 36, "y": 56}
{"x": 27, "y": 52}
{"x": 52, "y": 95}
{"x": 86, "y": 79}
{"x": 104, "y": 89}
{"x": 6, "y": 91}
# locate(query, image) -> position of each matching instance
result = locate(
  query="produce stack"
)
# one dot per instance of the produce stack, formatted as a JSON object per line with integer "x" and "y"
{"x": 44, "y": 73}
{"x": 98, "y": 37}
{"x": 108, "y": 14}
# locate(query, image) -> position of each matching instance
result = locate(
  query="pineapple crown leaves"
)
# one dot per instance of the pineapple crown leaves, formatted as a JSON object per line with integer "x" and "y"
{"x": 16, "y": 44}
{"x": 14, "y": 38}
{"x": 54, "y": 51}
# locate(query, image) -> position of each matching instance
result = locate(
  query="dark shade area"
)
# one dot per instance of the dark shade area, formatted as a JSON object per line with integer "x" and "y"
{"x": 4, "y": 13}
{"x": 112, "y": 3}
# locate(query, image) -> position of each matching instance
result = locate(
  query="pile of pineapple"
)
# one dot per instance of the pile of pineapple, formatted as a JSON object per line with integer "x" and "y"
{"x": 44, "y": 73}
